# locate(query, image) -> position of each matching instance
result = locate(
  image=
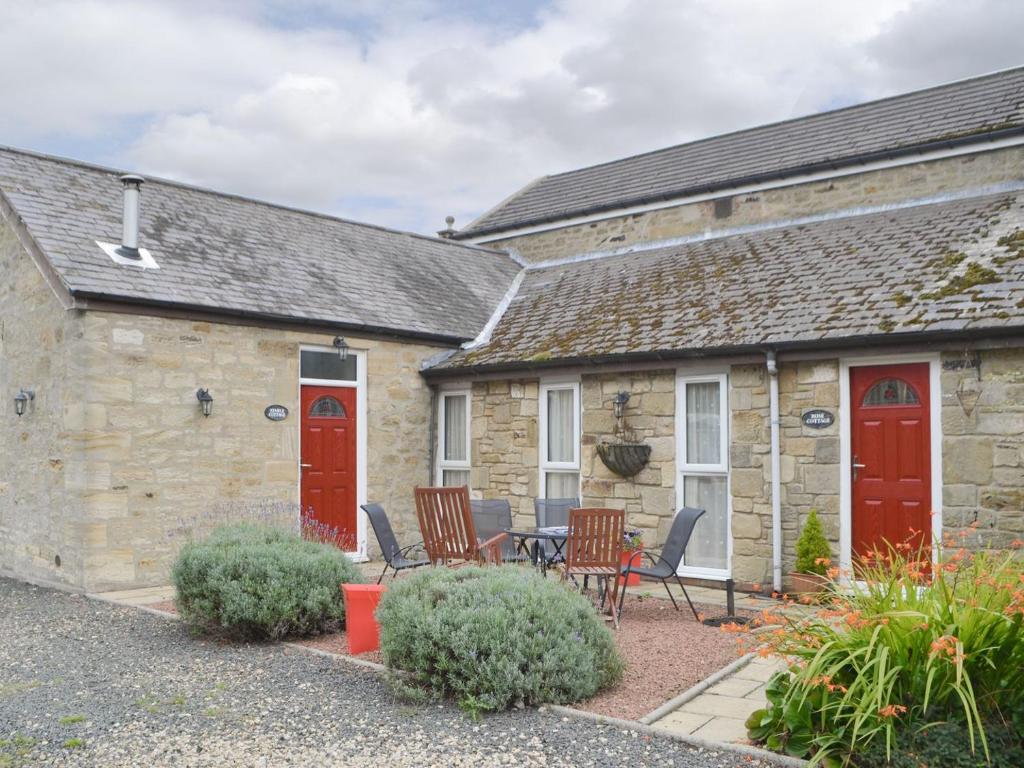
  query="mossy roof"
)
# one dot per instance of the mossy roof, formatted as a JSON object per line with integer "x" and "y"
{"x": 949, "y": 266}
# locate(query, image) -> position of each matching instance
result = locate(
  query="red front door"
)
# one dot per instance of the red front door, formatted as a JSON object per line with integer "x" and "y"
{"x": 891, "y": 456}
{"x": 329, "y": 461}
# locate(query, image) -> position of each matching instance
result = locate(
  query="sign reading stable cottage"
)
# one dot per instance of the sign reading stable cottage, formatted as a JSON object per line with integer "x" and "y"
{"x": 276, "y": 412}
{"x": 818, "y": 418}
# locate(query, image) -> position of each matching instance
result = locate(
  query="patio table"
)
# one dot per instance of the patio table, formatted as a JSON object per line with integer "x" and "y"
{"x": 556, "y": 534}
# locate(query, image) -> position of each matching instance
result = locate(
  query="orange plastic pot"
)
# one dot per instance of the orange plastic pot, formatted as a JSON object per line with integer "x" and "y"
{"x": 361, "y": 626}
{"x": 634, "y": 578}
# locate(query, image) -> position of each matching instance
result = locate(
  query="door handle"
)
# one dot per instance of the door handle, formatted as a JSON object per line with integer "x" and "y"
{"x": 305, "y": 466}
{"x": 855, "y": 466}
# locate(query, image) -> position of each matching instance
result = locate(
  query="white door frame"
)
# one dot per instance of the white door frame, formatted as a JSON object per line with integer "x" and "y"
{"x": 846, "y": 444}
{"x": 360, "y": 555}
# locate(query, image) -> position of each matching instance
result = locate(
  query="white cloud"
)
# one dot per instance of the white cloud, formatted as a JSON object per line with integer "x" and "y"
{"x": 402, "y": 116}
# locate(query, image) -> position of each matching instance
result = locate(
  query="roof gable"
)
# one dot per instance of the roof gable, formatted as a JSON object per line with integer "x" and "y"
{"x": 969, "y": 110}
{"x": 223, "y": 253}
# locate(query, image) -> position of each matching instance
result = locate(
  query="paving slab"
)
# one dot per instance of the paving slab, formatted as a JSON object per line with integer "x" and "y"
{"x": 727, "y": 729}
{"x": 735, "y": 686}
{"x": 722, "y": 706}
{"x": 683, "y": 722}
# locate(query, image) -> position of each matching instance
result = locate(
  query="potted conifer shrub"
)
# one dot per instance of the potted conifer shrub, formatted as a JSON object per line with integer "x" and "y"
{"x": 813, "y": 558}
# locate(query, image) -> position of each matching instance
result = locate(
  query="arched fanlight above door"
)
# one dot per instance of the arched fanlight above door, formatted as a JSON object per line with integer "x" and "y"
{"x": 890, "y": 392}
{"x": 327, "y": 407}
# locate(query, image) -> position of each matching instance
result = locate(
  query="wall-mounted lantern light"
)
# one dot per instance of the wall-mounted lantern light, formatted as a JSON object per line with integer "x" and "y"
{"x": 619, "y": 404}
{"x": 342, "y": 346}
{"x": 205, "y": 401}
{"x": 21, "y": 400}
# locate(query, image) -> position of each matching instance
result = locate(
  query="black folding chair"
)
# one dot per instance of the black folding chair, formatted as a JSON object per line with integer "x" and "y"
{"x": 395, "y": 557}
{"x": 494, "y": 516}
{"x": 549, "y": 513}
{"x": 666, "y": 565}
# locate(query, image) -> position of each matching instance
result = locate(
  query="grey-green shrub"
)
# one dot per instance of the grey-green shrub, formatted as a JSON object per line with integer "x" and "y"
{"x": 493, "y": 638}
{"x": 258, "y": 582}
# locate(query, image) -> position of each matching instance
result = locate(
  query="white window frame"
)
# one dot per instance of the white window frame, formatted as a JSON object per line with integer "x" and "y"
{"x": 359, "y": 384}
{"x": 547, "y": 466}
{"x": 686, "y": 469}
{"x": 451, "y": 465}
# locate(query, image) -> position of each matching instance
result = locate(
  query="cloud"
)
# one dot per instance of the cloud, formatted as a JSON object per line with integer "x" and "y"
{"x": 402, "y": 113}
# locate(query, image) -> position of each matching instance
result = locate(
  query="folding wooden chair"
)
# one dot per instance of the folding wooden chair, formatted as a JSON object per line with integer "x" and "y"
{"x": 449, "y": 534}
{"x": 594, "y": 548}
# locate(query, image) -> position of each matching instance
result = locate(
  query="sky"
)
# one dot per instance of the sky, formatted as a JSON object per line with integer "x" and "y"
{"x": 400, "y": 113}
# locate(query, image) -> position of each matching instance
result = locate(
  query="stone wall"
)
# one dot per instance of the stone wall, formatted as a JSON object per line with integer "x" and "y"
{"x": 863, "y": 189}
{"x": 983, "y": 445}
{"x": 158, "y": 469}
{"x": 809, "y": 462}
{"x": 504, "y": 451}
{"x": 41, "y": 464}
{"x": 649, "y": 498}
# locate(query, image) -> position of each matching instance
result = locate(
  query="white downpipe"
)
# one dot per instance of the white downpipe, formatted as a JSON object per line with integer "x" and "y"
{"x": 773, "y": 401}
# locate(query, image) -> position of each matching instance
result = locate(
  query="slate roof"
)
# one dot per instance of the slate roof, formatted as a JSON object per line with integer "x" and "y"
{"x": 225, "y": 253}
{"x": 951, "y": 266}
{"x": 972, "y": 110}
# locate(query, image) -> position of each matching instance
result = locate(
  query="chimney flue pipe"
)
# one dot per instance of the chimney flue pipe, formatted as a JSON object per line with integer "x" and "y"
{"x": 130, "y": 234}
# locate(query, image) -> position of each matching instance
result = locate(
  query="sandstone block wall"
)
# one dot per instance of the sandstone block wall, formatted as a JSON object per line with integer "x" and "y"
{"x": 649, "y": 497}
{"x": 863, "y": 189}
{"x": 809, "y": 462}
{"x": 504, "y": 444}
{"x": 983, "y": 445}
{"x": 157, "y": 469}
{"x": 41, "y": 459}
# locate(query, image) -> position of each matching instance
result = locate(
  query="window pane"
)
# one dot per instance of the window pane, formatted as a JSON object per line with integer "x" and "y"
{"x": 327, "y": 407}
{"x": 703, "y": 423}
{"x": 708, "y": 545}
{"x": 561, "y": 485}
{"x": 453, "y": 478}
{"x": 891, "y": 392}
{"x": 327, "y": 365}
{"x": 561, "y": 425}
{"x": 455, "y": 428}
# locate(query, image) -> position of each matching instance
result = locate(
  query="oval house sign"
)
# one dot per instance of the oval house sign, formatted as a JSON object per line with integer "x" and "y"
{"x": 276, "y": 412}
{"x": 818, "y": 418}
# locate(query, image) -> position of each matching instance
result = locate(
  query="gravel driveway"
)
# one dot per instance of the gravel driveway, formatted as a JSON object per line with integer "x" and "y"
{"x": 87, "y": 683}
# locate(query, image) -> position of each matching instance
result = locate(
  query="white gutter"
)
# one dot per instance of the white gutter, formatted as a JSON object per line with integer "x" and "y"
{"x": 773, "y": 400}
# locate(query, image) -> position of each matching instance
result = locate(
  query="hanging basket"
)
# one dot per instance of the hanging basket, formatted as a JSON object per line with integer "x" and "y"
{"x": 624, "y": 459}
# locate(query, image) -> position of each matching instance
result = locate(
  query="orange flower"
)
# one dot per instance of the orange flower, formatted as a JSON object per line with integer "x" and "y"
{"x": 892, "y": 710}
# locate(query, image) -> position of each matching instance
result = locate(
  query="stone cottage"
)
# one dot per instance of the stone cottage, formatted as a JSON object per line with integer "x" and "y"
{"x": 825, "y": 313}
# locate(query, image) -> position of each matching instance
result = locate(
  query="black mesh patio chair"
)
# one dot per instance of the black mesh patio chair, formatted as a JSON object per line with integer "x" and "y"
{"x": 494, "y": 516}
{"x": 552, "y": 512}
{"x": 666, "y": 565}
{"x": 395, "y": 557}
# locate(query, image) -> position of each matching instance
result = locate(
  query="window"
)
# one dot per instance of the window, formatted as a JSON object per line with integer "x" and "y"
{"x": 327, "y": 407}
{"x": 703, "y": 432}
{"x": 326, "y": 366}
{"x": 454, "y": 449}
{"x": 891, "y": 392}
{"x": 560, "y": 440}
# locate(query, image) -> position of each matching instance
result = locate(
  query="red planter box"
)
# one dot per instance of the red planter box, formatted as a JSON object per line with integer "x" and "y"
{"x": 361, "y": 626}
